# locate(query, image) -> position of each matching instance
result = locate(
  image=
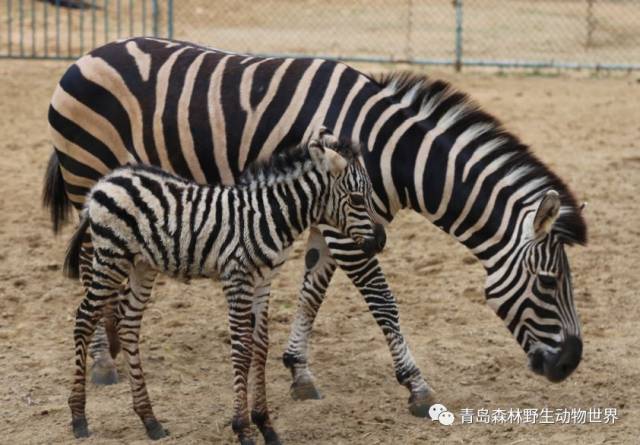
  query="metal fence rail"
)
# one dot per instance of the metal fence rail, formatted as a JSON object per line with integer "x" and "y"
{"x": 66, "y": 29}
{"x": 592, "y": 34}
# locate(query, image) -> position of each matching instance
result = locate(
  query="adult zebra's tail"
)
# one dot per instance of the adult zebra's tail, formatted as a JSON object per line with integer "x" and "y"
{"x": 72, "y": 258}
{"x": 54, "y": 196}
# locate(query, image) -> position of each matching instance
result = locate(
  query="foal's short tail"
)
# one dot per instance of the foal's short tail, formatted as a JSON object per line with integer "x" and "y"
{"x": 72, "y": 259}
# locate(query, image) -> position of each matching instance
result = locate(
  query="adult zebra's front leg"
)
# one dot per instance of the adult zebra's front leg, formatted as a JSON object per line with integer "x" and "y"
{"x": 327, "y": 249}
{"x": 319, "y": 269}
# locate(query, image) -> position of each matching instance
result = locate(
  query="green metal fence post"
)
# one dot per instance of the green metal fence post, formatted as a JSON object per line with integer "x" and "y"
{"x": 93, "y": 24}
{"x": 82, "y": 28}
{"x": 144, "y": 17}
{"x": 9, "y": 29}
{"x": 69, "y": 29}
{"x": 33, "y": 28}
{"x": 170, "y": 19}
{"x": 458, "y": 61}
{"x": 21, "y": 9}
{"x": 154, "y": 13}
{"x": 106, "y": 20}
{"x": 57, "y": 8}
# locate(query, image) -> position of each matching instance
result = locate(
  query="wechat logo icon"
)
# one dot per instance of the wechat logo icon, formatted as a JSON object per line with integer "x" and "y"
{"x": 440, "y": 413}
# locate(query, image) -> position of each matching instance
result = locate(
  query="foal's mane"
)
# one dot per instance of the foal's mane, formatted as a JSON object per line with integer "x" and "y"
{"x": 419, "y": 92}
{"x": 290, "y": 163}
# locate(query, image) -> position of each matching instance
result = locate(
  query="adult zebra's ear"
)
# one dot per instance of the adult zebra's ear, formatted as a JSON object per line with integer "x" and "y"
{"x": 547, "y": 213}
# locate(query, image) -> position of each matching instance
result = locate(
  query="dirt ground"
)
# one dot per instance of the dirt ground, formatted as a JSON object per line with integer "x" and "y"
{"x": 586, "y": 128}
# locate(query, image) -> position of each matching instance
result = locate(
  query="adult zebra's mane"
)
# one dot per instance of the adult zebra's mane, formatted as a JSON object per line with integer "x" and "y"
{"x": 422, "y": 93}
{"x": 288, "y": 164}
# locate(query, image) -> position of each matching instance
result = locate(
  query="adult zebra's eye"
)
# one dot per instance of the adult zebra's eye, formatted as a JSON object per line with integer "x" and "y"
{"x": 356, "y": 199}
{"x": 548, "y": 281}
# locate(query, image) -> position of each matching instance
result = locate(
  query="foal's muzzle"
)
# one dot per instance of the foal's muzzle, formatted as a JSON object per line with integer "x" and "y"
{"x": 557, "y": 366}
{"x": 372, "y": 245}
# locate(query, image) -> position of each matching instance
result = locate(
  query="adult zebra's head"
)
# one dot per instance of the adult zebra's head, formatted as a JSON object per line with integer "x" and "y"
{"x": 532, "y": 290}
{"x": 350, "y": 204}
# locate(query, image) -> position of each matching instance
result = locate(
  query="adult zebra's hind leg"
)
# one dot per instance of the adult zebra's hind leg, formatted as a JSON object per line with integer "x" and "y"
{"x": 129, "y": 316}
{"x": 318, "y": 271}
{"x": 103, "y": 370}
{"x": 260, "y": 320}
{"x": 101, "y": 292}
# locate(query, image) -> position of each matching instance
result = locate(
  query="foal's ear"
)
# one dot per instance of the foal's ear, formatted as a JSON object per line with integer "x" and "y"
{"x": 326, "y": 137}
{"x": 547, "y": 213}
{"x": 316, "y": 150}
{"x": 337, "y": 163}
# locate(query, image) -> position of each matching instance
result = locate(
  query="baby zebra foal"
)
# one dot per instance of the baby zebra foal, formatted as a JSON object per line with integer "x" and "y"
{"x": 144, "y": 221}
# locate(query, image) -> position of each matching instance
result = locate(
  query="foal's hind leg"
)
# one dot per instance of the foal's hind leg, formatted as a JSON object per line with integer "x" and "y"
{"x": 130, "y": 319}
{"x": 103, "y": 370}
{"x": 260, "y": 411}
{"x": 102, "y": 291}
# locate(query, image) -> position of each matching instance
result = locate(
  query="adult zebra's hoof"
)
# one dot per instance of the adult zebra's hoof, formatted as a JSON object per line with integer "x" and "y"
{"x": 304, "y": 390}
{"x": 104, "y": 372}
{"x": 419, "y": 403}
{"x": 155, "y": 431}
{"x": 80, "y": 428}
{"x": 247, "y": 441}
{"x": 270, "y": 437}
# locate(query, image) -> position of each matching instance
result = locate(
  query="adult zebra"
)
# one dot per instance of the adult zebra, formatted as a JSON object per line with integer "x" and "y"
{"x": 204, "y": 114}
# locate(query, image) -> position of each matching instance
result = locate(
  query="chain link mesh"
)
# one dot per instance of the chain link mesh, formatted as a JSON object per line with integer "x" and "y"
{"x": 603, "y": 33}
{"x": 562, "y": 33}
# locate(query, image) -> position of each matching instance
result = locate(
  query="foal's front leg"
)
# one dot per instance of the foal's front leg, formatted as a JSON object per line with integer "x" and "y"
{"x": 130, "y": 319}
{"x": 260, "y": 411}
{"x": 239, "y": 291}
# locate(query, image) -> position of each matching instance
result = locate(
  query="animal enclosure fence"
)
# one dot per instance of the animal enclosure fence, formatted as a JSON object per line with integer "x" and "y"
{"x": 66, "y": 29}
{"x": 593, "y": 34}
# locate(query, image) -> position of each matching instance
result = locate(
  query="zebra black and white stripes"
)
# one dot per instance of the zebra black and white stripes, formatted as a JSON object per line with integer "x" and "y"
{"x": 205, "y": 114}
{"x": 144, "y": 221}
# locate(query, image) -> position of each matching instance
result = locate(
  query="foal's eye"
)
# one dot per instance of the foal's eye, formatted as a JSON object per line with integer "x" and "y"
{"x": 548, "y": 281}
{"x": 356, "y": 199}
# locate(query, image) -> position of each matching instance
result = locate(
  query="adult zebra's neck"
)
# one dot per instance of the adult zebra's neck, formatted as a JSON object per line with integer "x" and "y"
{"x": 432, "y": 150}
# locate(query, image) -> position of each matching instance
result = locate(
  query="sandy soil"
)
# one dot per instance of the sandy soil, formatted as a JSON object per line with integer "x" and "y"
{"x": 585, "y": 128}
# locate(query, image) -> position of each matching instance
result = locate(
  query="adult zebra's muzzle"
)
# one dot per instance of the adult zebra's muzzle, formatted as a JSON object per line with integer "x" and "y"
{"x": 557, "y": 366}
{"x": 372, "y": 245}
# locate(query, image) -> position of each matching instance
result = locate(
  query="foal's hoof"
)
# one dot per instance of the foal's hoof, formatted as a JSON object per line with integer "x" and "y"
{"x": 104, "y": 373}
{"x": 304, "y": 390}
{"x": 80, "y": 428}
{"x": 155, "y": 430}
{"x": 247, "y": 441}
{"x": 419, "y": 403}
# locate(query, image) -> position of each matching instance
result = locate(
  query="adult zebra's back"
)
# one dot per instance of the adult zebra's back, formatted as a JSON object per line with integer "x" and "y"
{"x": 204, "y": 114}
